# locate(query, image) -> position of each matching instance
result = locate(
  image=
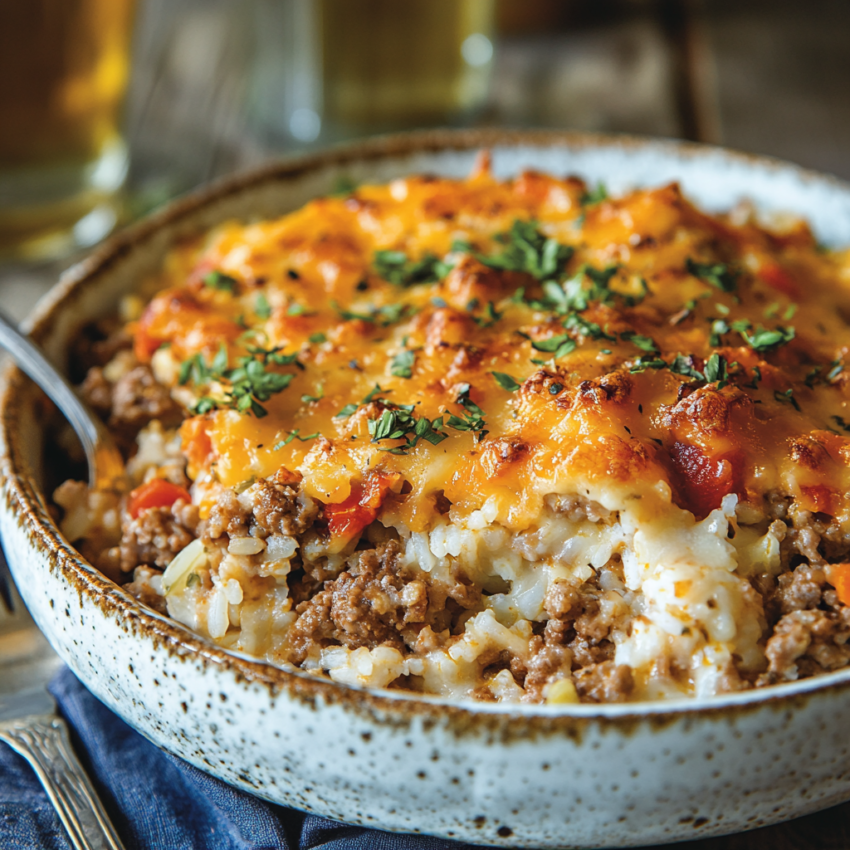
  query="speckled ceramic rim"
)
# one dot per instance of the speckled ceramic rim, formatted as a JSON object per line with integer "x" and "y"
{"x": 25, "y": 501}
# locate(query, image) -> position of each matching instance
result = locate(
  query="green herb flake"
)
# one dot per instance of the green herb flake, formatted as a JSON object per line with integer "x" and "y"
{"x": 717, "y": 275}
{"x": 530, "y": 251}
{"x": 767, "y": 340}
{"x": 787, "y": 397}
{"x": 716, "y": 371}
{"x": 473, "y": 416}
{"x": 558, "y": 346}
{"x": 396, "y": 268}
{"x": 644, "y": 343}
{"x": 683, "y": 365}
{"x": 343, "y": 186}
{"x": 309, "y": 399}
{"x": 262, "y": 307}
{"x": 506, "y": 382}
{"x": 220, "y": 281}
{"x": 594, "y": 196}
{"x": 347, "y": 411}
{"x": 317, "y": 338}
{"x": 402, "y": 364}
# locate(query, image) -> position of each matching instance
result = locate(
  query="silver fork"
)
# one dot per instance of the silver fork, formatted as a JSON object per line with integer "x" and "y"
{"x": 28, "y": 719}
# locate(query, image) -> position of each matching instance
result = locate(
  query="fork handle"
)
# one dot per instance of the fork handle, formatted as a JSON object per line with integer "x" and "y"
{"x": 43, "y": 741}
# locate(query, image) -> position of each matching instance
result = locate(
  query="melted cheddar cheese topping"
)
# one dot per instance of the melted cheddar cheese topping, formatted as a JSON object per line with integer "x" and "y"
{"x": 633, "y": 350}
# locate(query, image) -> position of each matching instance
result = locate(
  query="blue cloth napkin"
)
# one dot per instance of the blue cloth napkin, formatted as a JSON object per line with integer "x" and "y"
{"x": 158, "y": 802}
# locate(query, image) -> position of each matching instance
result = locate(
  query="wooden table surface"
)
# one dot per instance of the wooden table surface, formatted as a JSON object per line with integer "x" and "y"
{"x": 768, "y": 76}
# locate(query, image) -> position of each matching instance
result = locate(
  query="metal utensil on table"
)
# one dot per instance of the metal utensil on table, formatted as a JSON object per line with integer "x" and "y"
{"x": 28, "y": 719}
{"x": 106, "y": 466}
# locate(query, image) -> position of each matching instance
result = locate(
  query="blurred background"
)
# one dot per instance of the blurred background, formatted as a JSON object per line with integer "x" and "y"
{"x": 108, "y": 108}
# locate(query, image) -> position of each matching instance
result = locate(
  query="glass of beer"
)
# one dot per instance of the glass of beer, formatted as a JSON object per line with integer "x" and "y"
{"x": 63, "y": 74}
{"x": 333, "y": 69}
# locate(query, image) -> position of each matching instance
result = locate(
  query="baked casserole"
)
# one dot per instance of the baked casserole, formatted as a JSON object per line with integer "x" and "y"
{"x": 500, "y": 440}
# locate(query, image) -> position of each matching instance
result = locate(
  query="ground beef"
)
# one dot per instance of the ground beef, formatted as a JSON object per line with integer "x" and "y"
{"x": 97, "y": 345}
{"x": 97, "y": 392}
{"x": 805, "y": 642}
{"x": 368, "y": 604}
{"x": 270, "y": 506}
{"x": 137, "y": 399}
{"x": 157, "y": 535}
{"x": 547, "y": 664}
{"x": 129, "y": 404}
{"x": 605, "y": 682}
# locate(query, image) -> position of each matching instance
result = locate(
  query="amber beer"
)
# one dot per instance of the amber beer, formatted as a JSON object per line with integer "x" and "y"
{"x": 63, "y": 75}
{"x": 396, "y": 63}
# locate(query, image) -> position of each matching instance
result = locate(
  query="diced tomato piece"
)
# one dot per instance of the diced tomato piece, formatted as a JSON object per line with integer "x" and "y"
{"x": 840, "y": 577}
{"x": 779, "y": 279}
{"x": 703, "y": 481}
{"x": 156, "y": 493}
{"x": 145, "y": 345}
{"x": 348, "y": 518}
{"x": 819, "y": 499}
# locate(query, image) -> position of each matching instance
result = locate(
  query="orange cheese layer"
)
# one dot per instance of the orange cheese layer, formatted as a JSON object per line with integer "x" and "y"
{"x": 593, "y": 420}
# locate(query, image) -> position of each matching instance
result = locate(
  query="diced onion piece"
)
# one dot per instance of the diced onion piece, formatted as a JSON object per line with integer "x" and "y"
{"x": 562, "y": 692}
{"x": 245, "y": 546}
{"x": 189, "y": 558}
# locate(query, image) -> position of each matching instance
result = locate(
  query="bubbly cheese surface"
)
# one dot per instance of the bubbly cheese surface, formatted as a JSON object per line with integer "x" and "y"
{"x": 633, "y": 350}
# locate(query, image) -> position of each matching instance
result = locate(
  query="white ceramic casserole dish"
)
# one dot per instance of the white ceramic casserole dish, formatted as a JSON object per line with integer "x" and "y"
{"x": 531, "y": 776}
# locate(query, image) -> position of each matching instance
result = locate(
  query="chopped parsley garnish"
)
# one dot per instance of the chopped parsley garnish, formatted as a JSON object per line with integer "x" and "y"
{"x": 683, "y": 365}
{"x": 572, "y": 295}
{"x": 716, "y": 371}
{"x": 347, "y": 411}
{"x": 717, "y": 274}
{"x": 294, "y": 435}
{"x": 644, "y": 343}
{"x": 221, "y": 281}
{"x": 308, "y": 399}
{"x": 245, "y": 386}
{"x": 506, "y": 382}
{"x": 492, "y": 316}
{"x": 473, "y": 415}
{"x": 558, "y": 346}
{"x": 787, "y": 397}
{"x": 396, "y": 268}
{"x": 385, "y": 316}
{"x": 594, "y": 196}
{"x": 402, "y": 364}
{"x": 295, "y": 309}
{"x": 262, "y": 307}
{"x": 343, "y": 185}
{"x": 835, "y": 371}
{"x": 589, "y": 329}
{"x": 527, "y": 250}
{"x": 373, "y": 394}
{"x": 318, "y": 337}
{"x": 398, "y": 422}
{"x": 765, "y": 340}
{"x": 555, "y": 388}
{"x": 648, "y": 361}
{"x": 754, "y": 383}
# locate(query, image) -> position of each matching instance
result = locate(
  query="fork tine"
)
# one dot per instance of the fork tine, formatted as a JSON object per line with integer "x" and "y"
{"x": 5, "y": 583}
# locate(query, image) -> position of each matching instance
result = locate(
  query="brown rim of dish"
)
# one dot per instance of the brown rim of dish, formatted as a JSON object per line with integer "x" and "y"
{"x": 506, "y": 722}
